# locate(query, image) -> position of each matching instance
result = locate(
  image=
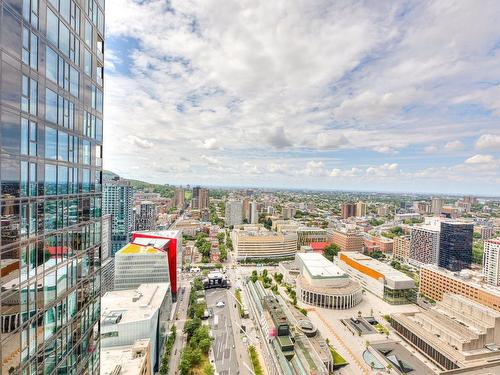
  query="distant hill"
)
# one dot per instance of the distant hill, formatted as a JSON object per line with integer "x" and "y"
{"x": 166, "y": 191}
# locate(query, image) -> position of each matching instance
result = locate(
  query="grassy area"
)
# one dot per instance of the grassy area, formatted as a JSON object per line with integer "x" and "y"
{"x": 238, "y": 297}
{"x": 257, "y": 368}
{"x": 381, "y": 329}
{"x": 168, "y": 350}
{"x": 338, "y": 360}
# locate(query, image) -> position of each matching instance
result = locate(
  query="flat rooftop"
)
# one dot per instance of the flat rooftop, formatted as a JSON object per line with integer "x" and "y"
{"x": 161, "y": 233}
{"x": 468, "y": 277}
{"x": 133, "y": 248}
{"x": 319, "y": 267}
{"x": 132, "y": 304}
{"x": 123, "y": 356}
{"x": 376, "y": 265}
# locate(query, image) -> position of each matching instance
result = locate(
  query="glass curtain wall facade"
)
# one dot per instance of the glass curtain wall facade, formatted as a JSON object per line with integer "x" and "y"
{"x": 455, "y": 246}
{"x": 51, "y": 104}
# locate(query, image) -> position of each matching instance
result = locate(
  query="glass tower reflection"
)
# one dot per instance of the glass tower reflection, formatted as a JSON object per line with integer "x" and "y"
{"x": 51, "y": 105}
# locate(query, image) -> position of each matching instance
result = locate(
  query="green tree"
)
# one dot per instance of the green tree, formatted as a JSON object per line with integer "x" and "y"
{"x": 278, "y": 277}
{"x": 191, "y": 326}
{"x": 208, "y": 369}
{"x": 331, "y": 251}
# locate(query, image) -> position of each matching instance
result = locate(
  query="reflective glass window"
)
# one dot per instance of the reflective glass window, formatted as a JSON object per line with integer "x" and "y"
{"x": 51, "y": 64}
{"x": 50, "y": 179}
{"x": 50, "y": 143}
{"x": 50, "y": 106}
{"x": 52, "y": 27}
{"x": 62, "y": 146}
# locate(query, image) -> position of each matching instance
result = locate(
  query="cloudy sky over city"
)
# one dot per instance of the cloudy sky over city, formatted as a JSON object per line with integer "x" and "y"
{"x": 362, "y": 95}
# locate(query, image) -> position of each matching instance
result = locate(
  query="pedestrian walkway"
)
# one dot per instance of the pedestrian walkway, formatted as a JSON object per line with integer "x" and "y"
{"x": 353, "y": 358}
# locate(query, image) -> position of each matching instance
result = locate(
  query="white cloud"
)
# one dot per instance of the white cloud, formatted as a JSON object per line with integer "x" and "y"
{"x": 431, "y": 149}
{"x": 291, "y": 82}
{"x": 210, "y": 159}
{"x": 210, "y": 144}
{"x": 454, "y": 146}
{"x": 488, "y": 141}
{"x": 480, "y": 159}
{"x": 140, "y": 142}
{"x": 385, "y": 150}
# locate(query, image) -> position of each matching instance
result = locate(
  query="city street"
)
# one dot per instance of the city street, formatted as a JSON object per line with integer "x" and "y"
{"x": 224, "y": 348}
{"x": 180, "y": 312}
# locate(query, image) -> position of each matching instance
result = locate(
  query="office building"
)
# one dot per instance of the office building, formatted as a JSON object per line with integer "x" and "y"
{"x": 50, "y": 185}
{"x": 378, "y": 278}
{"x": 135, "y": 314}
{"x": 179, "y": 198}
{"x": 288, "y": 211}
{"x": 199, "y": 201}
{"x": 424, "y": 245}
{"x": 491, "y": 262}
{"x": 486, "y": 231}
{"x": 259, "y": 243}
{"x": 321, "y": 283}
{"x": 307, "y": 235}
{"x": 361, "y": 209}
{"x": 435, "y": 282}
{"x": 151, "y": 257}
{"x": 348, "y": 210}
{"x": 455, "y": 245}
{"x": 117, "y": 202}
{"x": 382, "y": 210}
{"x": 145, "y": 216}
{"x": 254, "y": 213}
{"x": 401, "y": 248}
{"x": 382, "y": 244}
{"x": 107, "y": 261}
{"x": 246, "y": 209}
{"x": 127, "y": 360}
{"x": 234, "y": 213}
{"x": 407, "y": 216}
{"x": 436, "y": 205}
{"x": 347, "y": 240}
{"x": 457, "y": 333}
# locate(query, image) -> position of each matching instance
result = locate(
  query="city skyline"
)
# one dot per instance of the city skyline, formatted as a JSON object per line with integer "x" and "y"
{"x": 392, "y": 97}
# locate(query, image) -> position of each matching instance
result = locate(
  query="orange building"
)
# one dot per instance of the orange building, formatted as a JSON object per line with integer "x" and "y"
{"x": 434, "y": 282}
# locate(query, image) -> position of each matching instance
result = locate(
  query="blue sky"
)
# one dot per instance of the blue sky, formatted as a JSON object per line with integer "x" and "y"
{"x": 361, "y": 95}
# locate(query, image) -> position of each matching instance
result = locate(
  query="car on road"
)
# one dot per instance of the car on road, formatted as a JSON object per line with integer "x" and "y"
{"x": 220, "y": 304}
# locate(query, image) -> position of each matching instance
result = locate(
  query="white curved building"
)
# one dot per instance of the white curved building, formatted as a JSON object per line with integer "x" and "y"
{"x": 258, "y": 243}
{"x": 321, "y": 283}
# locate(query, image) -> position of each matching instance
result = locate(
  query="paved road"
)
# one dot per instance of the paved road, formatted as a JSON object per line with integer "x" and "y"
{"x": 181, "y": 311}
{"x": 223, "y": 346}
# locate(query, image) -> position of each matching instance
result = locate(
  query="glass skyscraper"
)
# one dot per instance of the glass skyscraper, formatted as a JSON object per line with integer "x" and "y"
{"x": 455, "y": 245}
{"x": 51, "y": 104}
{"x": 118, "y": 202}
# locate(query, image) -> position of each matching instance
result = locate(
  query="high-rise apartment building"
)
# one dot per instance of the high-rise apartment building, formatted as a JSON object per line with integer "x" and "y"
{"x": 348, "y": 210}
{"x": 436, "y": 205}
{"x": 424, "y": 245}
{"x": 361, "y": 209}
{"x": 145, "y": 216}
{"x": 179, "y": 198}
{"x": 199, "y": 200}
{"x": 117, "y": 201}
{"x": 401, "y": 248}
{"x": 246, "y": 209}
{"x": 234, "y": 213}
{"x": 491, "y": 262}
{"x": 51, "y": 107}
{"x": 455, "y": 245}
{"x": 254, "y": 213}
